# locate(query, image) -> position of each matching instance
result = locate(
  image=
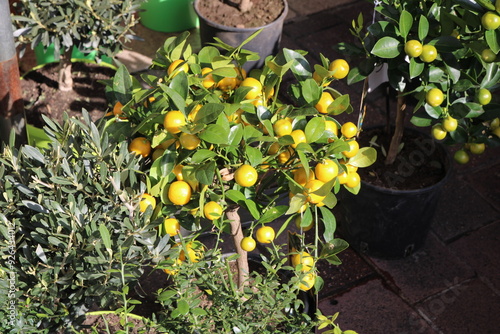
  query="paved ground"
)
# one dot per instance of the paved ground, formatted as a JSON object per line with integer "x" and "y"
{"x": 452, "y": 284}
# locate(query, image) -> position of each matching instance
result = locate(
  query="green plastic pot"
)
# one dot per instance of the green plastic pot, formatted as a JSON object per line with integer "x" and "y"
{"x": 47, "y": 56}
{"x": 37, "y": 136}
{"x": 168, "y": 15}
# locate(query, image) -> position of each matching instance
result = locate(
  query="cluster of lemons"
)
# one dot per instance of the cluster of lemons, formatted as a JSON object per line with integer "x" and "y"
{"x": 182, "y": 132}
{"x": 435, "y": 97}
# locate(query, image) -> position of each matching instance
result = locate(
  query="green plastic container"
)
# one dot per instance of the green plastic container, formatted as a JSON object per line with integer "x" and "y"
{"x": 168, "y": 15}
{"x": 47, "y": 56}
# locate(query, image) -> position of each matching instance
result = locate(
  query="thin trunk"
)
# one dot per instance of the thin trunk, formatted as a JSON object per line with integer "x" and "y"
{"x": 387, "y": 109}
{"x": 237, "y": 233}
{"x": 65, "y": 78}
{"x": 398, "y": 131}
{"x": 245, "y": 5}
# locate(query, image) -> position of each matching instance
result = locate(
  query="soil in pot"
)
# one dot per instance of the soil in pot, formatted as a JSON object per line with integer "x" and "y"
{"x": 419, "y": 163}
{"x": 225, "y": 12}
{"x": 42, "y": 96}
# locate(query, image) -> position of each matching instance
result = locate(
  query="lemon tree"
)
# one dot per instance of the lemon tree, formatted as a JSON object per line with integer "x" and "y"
{"x": 227, "y": 143}
{"x": 444, "y": 55}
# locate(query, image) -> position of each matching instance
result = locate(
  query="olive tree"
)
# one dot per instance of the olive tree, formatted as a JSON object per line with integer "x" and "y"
{"x": 101, "y": 25}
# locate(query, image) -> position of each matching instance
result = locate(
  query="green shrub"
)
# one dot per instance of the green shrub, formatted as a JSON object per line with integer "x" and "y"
{"x": 97, "y": 25}
{"x": 72, "y": 207}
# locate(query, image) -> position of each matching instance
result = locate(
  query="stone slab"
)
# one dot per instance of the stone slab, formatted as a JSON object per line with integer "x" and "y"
{"x": 461, "y": 210}
{"x": 471, "y": 307}
{"x": 372, "y": 309}
{"x": 480, "y": 250}
{"x": 428, "y": 271}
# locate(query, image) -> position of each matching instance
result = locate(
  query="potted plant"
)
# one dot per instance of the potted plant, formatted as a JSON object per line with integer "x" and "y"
{"x": 440, "y": 58}
{"x": 234, "y": 22}
{"x": 73, "y": 236}
{"x": 217, "y": 142}
{"x": 89, "y": 26}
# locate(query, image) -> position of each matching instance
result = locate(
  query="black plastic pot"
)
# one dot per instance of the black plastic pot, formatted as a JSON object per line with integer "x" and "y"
{"x": 266, "y": 43}
{"x": 388, "y": 223}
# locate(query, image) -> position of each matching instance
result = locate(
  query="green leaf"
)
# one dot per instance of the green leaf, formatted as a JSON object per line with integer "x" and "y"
{"x": 436, "y": 74}
{"x": 405, "y": 23}
{"x": 106, "y": 238}
{"x": 56, "y": 242}
{"x": 164, "y": 165}
{"x": 314, "y": 129}
{"x": 35, "y": 206}
{"x": 434, "y": 112}
{"x": 421, "y": 121}
{"x": 272, "y": 214}
{"x": 199, "y": 311}
{"x": 202, "y": 155}
{"x": 310, "y": 91}
{"x": 492, "y": 38}
{"x": 454, "y": 73}
{"x": 307, "y": 219}
{"x": 122, "y": 85}
{"x": 33, "y": 153}
{"x": 236, "y": 196}
{"x": 446, "y": 44}
{"x": 252, "y": 207}
{"x": 423, "y": 27}
{"x": 179, "y": 45}
{"x": 355, "y": 76}
{"x": 301, "y": 68}
{"x": 475, "y": 109}
{"x": 180, "y": 85}
{"x": 416, "y": 68}
{"x": 254, "y": 155}
{"x": 250, "y": 133}
{"x": 387, "y": 47}
{"x": 462, "y": 85}
{"x": 209, "y": 113}
{"x": 215, "y": 134}
{"x": 235, "y": 135}
{"x": 279, "y": 70}
{"x": 205, "y": 173}
{"x": 329, "y": 222}
{"x": 167, "y": 295}
{"x": 41, "y": 254}
{"x": 339, "y": 105}
{"x": 365, "y": 157}
{"x": 181, "y": 309}
{"x": 176, "y": 98}
{"x": 296, "y": 203}
{"x": 492, "y": 76}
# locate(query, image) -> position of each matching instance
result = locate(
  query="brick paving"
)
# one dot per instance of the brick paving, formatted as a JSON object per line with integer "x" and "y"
{"x": 450, "y": 285}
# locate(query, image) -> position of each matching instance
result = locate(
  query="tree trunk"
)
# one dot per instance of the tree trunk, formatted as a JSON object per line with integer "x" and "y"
{"x": 398, "y": 131}
{"x": 11, "y": 100}
{"x": 65, "y": 78}
{"x": 237, "y": 233}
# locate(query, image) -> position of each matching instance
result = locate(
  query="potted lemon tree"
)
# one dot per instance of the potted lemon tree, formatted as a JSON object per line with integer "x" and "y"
{"x": 439, "y": 59}
{"x": 217, "y": 142}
